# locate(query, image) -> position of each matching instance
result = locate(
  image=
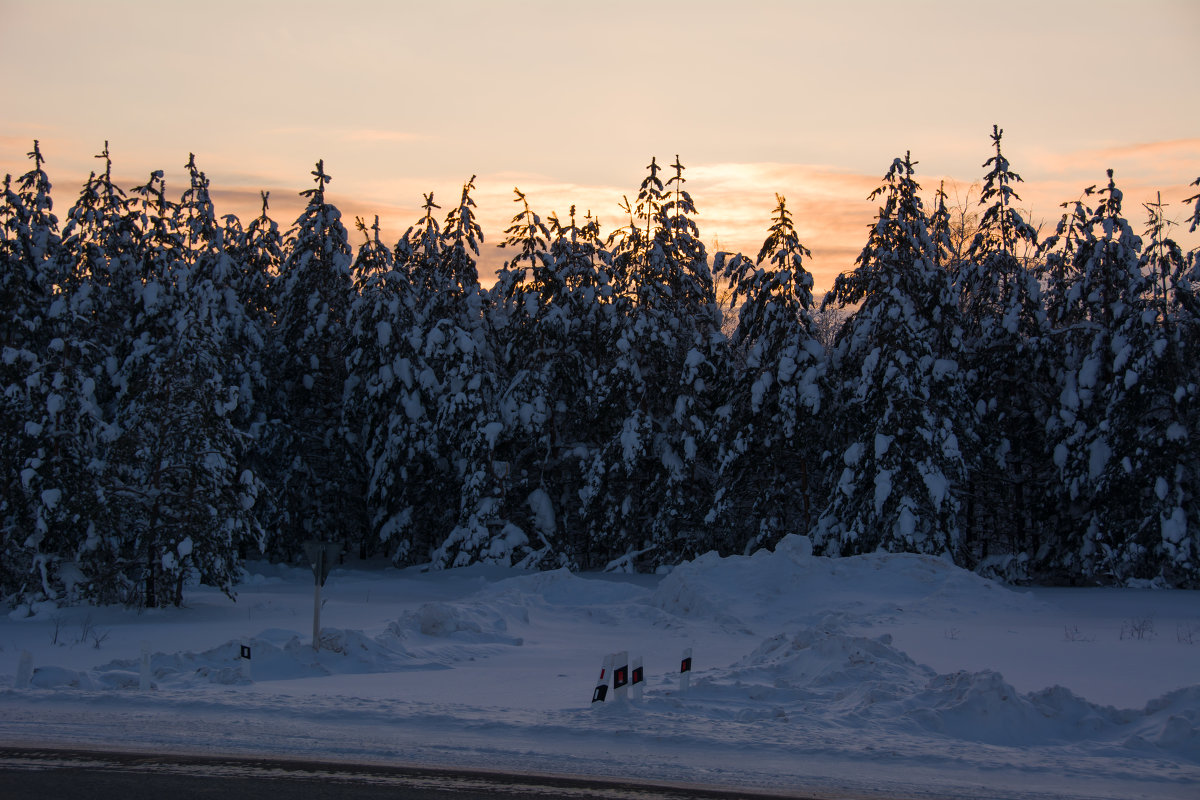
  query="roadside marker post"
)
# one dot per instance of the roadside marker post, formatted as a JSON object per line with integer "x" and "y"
{"x": 321, "y": 556}
{"x": 620, "y": 673}
{"x": 685, "y": 670}
{"x": 637, "y": 679}
{"x": 24, "y": 670}
{"x": 244, "y": 657}
{"x": 600, "y": 693}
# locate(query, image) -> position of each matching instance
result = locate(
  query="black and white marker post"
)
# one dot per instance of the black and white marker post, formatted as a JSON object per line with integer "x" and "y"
{"x": 621, "y": 676}
{"x": 685, "y": 670}
{"x": 321, "y": 555}
{"x": 600, "y": 693}
{"x": 637, "y": 679}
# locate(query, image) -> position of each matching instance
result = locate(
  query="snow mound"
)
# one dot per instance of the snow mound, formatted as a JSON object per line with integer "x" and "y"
{"x": 275, "y": 654}
{"x": 791, "y": 586}
{"x": 854, "y": 681}
{"x": 60, "y": 677}
{"x": 833, "y": 667}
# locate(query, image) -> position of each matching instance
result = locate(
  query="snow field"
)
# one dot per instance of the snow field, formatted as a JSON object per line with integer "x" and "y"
{"x": 867, "y": 676}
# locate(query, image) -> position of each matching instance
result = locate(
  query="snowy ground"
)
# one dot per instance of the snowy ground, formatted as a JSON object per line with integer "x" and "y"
{"x": 883, "y": 675}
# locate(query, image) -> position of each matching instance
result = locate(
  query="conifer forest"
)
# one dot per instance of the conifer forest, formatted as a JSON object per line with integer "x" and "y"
{"x": 183, "y": 391}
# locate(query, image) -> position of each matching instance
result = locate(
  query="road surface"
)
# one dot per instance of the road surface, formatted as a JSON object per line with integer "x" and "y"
{"x": 40, "y": 773}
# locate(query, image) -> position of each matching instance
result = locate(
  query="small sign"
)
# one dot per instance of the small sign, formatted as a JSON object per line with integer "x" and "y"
{"x": 600, "y": 693}
{"x": 638, "y": 676}
{"x": 246, "y": 652}
{"x": 620, "y": 677}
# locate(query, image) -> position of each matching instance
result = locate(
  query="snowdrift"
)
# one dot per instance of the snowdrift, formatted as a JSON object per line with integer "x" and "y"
{"x": 798, "y": 655}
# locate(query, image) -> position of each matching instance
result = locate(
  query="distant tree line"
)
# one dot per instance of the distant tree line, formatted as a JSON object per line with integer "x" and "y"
{"x": 183, "y": 391}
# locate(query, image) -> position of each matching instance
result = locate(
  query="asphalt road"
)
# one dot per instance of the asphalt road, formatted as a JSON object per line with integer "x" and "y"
{"x": 50, "y": 774}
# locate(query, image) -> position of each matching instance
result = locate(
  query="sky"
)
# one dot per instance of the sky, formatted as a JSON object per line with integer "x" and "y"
{"x": 570, "y": 100}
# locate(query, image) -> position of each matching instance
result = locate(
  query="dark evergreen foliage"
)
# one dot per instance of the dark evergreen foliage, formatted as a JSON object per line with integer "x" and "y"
{"x": 1003, "y": 327}
{"x": 180, "y": 392}
{"x": 770, "y": 443}
{"x": 900, "y": 416}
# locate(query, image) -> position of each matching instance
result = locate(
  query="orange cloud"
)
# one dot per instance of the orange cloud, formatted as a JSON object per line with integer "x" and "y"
{"x": 1141, "y": 170}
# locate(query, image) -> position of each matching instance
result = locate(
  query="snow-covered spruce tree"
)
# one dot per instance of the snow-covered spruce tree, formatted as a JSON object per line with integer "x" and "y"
{"x": 160, "y": 241}
{"x": 36, "y": 270}
{"x": 132, "y": 250}
{"x": 224, "y": 307}
{"x": 555, "y": 337}
{"x": 258, "y": 255}
{"x": 413, "y": 482}
{"x": 588, "y": 328}
{"x": 380, "y": 373}
{"x": 28, "y": 241}
{"x": 660, "y": 460}
{"x": 173, "y": 478}
{"x": 1146, "y": 493}
{"x": 769, "y": 441}
{"x": 1003, "y": 323}
{"x": 137, "y": 306}
{"x": 896, "y": 393}
{"x": 605, "y": 525}
{"x": 100, "y": 238}
{"x": 940, "y": 232}
{"x": 1187, "y": 284}
{"x": 49, "y": 506}
{"x": 1058, "y": 262}
{"x": 196, "y": 218}
{"x": 1099, "y": 262}
{"x": 176, "y": 503}
{"x": 254, "y": 256}
{"x": 1187, "y": 307}
{"x": 315, "y": 483}
{"x": 159, "y": 292}
{"x": 74, "y": 394}
{"x": 458, "y": 351}
{"x": 30, "y": 260}
{"x": 624, "y": 470}
{"x": 49, "y": 511}
{"x": 527, "y": 323}
{"x": 551, "y": 316}
{"x": 228, "y": 282}
{"x": 15, "y": 358}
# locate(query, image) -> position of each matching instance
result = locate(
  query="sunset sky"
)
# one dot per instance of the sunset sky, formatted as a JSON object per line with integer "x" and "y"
{"x": 569, "y": 101}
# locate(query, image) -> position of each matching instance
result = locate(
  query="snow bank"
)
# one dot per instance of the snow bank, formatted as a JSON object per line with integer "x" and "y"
{"x": 791, "y": 586}
{"x": 803, "y": 669}
{"x": 867, "y": 684}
